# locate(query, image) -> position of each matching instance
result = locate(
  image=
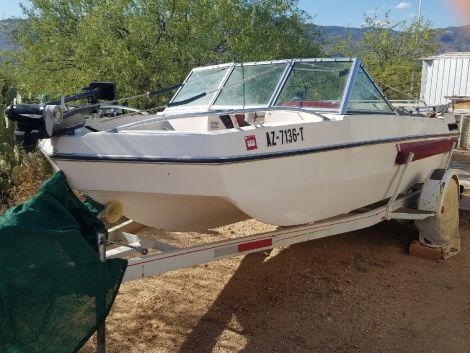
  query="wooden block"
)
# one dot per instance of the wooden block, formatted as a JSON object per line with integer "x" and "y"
{"x": 462, "y": 105}
{"x": 425, "y": 252}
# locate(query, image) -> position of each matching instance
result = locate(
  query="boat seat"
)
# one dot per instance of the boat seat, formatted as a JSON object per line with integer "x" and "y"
{"x": 254, "y": 117}
{"x": 260, "y": 117}
{"x": 229, "y": 123}
{"x": 241, "y": 120}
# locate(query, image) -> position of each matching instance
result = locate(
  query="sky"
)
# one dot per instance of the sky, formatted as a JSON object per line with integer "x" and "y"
{"x": 351, "y": 13}
{"x": 345, "y": 12}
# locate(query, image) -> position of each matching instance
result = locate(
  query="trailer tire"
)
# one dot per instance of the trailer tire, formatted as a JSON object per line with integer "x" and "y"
{"x": 442, "y": 230}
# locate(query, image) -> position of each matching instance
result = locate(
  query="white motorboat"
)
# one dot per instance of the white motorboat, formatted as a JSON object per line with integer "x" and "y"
{"x": 286, "y": 142}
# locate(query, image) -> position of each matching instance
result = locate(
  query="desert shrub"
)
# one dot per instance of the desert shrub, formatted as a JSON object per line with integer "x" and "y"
{"x": 21, "y": 173}
{"x": 10, "y": 157}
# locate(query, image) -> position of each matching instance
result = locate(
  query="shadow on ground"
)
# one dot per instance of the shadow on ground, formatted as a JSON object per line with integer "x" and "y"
{"x": 356, "y": 292}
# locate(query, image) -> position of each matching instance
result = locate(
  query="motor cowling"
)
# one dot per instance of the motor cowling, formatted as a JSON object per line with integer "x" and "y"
{"x": 39, "y": 121}
{"x": 34, "y": 122}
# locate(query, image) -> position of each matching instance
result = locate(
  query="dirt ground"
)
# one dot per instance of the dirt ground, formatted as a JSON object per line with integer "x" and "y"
{"x": 356, "y": 292}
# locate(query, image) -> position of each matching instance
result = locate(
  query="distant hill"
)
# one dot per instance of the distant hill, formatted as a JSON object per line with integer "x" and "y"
{"x": 451, "y": 39}
{"x": 337, "y": 32}
{"x": 6, "y": 26}
{"x": 455, "y": 39}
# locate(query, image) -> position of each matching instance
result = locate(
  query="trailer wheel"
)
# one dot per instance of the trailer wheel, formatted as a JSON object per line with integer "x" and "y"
{"x": 440, "y": 194}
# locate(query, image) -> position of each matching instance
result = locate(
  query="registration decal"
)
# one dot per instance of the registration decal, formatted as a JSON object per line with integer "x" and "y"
{"x": 284, "y": 136}
{"x": 250, "y": 142}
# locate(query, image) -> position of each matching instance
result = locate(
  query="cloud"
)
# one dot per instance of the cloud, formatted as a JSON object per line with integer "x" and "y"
{"x": 403, "y": 5}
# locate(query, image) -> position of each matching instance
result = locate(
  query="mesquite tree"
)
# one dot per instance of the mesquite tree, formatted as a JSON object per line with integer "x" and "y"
{"x": 143, "y": 44}
{"x": 392, "y": 52}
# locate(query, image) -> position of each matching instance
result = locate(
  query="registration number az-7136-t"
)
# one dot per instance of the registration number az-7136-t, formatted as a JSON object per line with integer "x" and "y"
{"x": 284, "y": 136}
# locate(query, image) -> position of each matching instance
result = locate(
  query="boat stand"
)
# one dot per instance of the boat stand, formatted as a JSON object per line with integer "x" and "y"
{"x": 100, "y": 302}
{"x": 168, "y": 258}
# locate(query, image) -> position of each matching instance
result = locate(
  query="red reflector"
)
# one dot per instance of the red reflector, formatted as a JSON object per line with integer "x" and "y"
{"x": 255, "y": 245}
{"x": 442, "y": 209}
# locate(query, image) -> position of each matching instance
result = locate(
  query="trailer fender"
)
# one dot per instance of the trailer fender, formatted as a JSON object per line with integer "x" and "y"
{"x": 440, "y": 194}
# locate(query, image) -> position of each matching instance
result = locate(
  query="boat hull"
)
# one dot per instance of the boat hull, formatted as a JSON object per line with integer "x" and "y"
{"x": 284, "y": 191}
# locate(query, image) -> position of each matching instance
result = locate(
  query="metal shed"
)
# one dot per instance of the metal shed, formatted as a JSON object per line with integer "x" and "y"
{"x": 444, "y": 75}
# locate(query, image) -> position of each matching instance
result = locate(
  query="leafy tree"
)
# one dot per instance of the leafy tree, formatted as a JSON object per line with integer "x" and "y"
{"x": 391, "y": 52}
{"x": 142, "y": 44}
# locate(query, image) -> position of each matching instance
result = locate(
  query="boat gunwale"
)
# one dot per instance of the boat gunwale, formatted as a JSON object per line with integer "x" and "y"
{"x": 241, "y": 158}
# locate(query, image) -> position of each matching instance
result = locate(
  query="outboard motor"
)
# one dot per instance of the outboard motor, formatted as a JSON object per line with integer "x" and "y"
{"x": 39, "y": 121}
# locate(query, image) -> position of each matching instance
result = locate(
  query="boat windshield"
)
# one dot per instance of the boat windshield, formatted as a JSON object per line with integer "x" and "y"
{"x": 315, "y": 85}
{"x": 200, "y": 81}
{"x": 250, "y": 85}
{"x": 366, "y": 96}
{"x": 330, "y": 85}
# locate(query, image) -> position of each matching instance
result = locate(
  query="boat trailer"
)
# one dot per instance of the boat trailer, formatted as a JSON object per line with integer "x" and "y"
{"x": 427, "y": 204}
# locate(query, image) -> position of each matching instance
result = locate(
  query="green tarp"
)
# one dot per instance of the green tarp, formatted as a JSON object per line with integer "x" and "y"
{"x": 51, "y": 278}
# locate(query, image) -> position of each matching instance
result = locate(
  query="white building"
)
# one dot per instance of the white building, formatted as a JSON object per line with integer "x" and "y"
{"x": 445, "y": 75}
